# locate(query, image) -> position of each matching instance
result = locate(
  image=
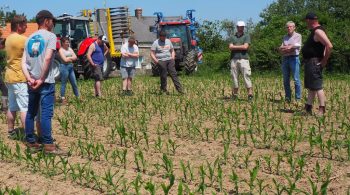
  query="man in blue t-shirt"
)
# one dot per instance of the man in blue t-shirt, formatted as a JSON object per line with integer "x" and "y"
{"x": 96, "y": 56}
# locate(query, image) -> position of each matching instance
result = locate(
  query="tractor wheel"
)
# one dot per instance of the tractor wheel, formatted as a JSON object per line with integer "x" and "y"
{"x": 107, "y": 66}
{"x": 190, "y": 62}
{"x": 56, "y": 69}
{"x": 87, "y": 68}
{"x": 155, "y": 69}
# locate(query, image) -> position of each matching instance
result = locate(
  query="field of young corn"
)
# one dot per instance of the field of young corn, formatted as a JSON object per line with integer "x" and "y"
{"x": 198, "y": 143}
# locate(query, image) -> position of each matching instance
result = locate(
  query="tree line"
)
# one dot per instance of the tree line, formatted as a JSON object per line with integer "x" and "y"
{"x": 266, "y": 35}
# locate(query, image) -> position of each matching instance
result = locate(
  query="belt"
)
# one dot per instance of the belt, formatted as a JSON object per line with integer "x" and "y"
{"x": 291, "y": 56}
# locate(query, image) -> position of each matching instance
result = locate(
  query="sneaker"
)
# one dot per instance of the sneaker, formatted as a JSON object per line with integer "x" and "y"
{"x": 16, "y": 134}
{"x": 12, "y": 134}
{"x": 63, "y": 101}
{"x": 250, "y": 97}
{"x": 129, "y": 93}
{"x": 54, "y": 150}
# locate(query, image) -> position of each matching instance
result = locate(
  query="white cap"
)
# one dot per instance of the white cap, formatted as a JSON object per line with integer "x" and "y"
{"x": 240, "y": 23}
{"x": 104, "y": 38}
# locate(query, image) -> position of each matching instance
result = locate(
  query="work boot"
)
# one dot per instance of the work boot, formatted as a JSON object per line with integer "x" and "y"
{"x": 321, "y": 110}
{"x": 33, "y": 147}
{"x": 53, "y": 149}
{"x": 308, "y": 109}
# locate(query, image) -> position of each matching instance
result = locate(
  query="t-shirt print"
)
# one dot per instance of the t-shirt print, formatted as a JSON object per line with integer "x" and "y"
{"x": 36, "y": 46}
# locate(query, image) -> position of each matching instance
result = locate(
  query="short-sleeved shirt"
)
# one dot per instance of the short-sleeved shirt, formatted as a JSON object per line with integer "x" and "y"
{"x": 129, "y": 62}
{"x": 294, "y": 40}
{"x": 240, "y": 40}
{"x": 36, "y": 47}
{"x": 162, "y": 49}
{"x": 67, "y": 53}
{"x": 14, "y": 47}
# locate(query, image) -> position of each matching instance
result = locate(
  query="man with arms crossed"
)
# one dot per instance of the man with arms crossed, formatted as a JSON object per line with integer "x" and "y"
{"x": 316, "y": 52}
{"x": 240, "y": 60}
{"x": 290, "y": 62}
{"x": 130, "y": 54}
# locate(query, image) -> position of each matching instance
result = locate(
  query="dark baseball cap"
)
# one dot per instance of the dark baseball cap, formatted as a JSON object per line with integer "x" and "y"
{"x": 311, "y": 16}
{"x": 162, "y": 33}
{"x": 45, "y": 14}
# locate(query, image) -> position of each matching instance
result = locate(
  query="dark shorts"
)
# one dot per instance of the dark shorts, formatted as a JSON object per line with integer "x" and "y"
{"x": 97, "y": 73}
{"x": 313, "y": 74}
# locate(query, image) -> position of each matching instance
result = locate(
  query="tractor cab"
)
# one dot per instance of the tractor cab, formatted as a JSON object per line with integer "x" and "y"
{"x": 180, "y": 36}
{"x": 74, "y": 27}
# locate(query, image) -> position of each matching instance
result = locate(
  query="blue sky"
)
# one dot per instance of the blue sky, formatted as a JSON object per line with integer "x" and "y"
{"x": 205, "y": 9}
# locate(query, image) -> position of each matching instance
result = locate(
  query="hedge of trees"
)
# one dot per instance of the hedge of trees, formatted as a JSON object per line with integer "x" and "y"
{"x": 267, "y": 34}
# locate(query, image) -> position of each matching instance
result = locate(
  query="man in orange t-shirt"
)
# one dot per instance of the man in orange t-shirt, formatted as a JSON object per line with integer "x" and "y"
{"x": 14, "y": 78}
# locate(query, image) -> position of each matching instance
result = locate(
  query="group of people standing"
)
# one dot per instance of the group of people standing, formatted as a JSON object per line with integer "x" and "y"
{"x": 315, "y": 51}
{"x": 30, "y": 78}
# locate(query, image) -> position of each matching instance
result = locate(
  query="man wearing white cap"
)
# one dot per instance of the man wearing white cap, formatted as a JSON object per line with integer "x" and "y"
{"x": 240, "y": 60}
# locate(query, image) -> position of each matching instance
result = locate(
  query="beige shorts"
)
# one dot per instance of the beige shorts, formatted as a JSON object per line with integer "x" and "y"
{"x": 241, "y": 66}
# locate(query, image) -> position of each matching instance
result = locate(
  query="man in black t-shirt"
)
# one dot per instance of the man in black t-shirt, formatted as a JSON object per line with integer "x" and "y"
{"x": 316, "y": 52}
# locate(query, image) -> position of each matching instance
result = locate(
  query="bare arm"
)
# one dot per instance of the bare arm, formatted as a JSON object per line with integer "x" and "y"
{"x": 172, "y": 53}
{"x": 63, "y": 57}
{"x": 89, "y": 53}
{"x": 135, "y": 54}
{"x": 291, "y": 47}
{"x": 124, "y": 52}
{"x": 25, "y": 70}
{"x": 153, "y": 56}
{"x": 321, "y": 36}
{"x": 233, "y": 47}
{"x": 74, "y": 57}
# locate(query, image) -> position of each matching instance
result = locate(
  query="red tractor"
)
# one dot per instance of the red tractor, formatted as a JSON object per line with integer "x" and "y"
{"x": 182, "y": 34}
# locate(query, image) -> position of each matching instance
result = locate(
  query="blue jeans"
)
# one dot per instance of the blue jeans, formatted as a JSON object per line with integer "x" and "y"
{"x": 291, "y": 66}
{"x": 67, "y": 72}
{"x": 45, "y": 97}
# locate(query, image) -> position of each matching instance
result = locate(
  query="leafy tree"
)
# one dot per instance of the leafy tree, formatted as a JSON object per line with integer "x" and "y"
{"x": 210, "y": 36}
